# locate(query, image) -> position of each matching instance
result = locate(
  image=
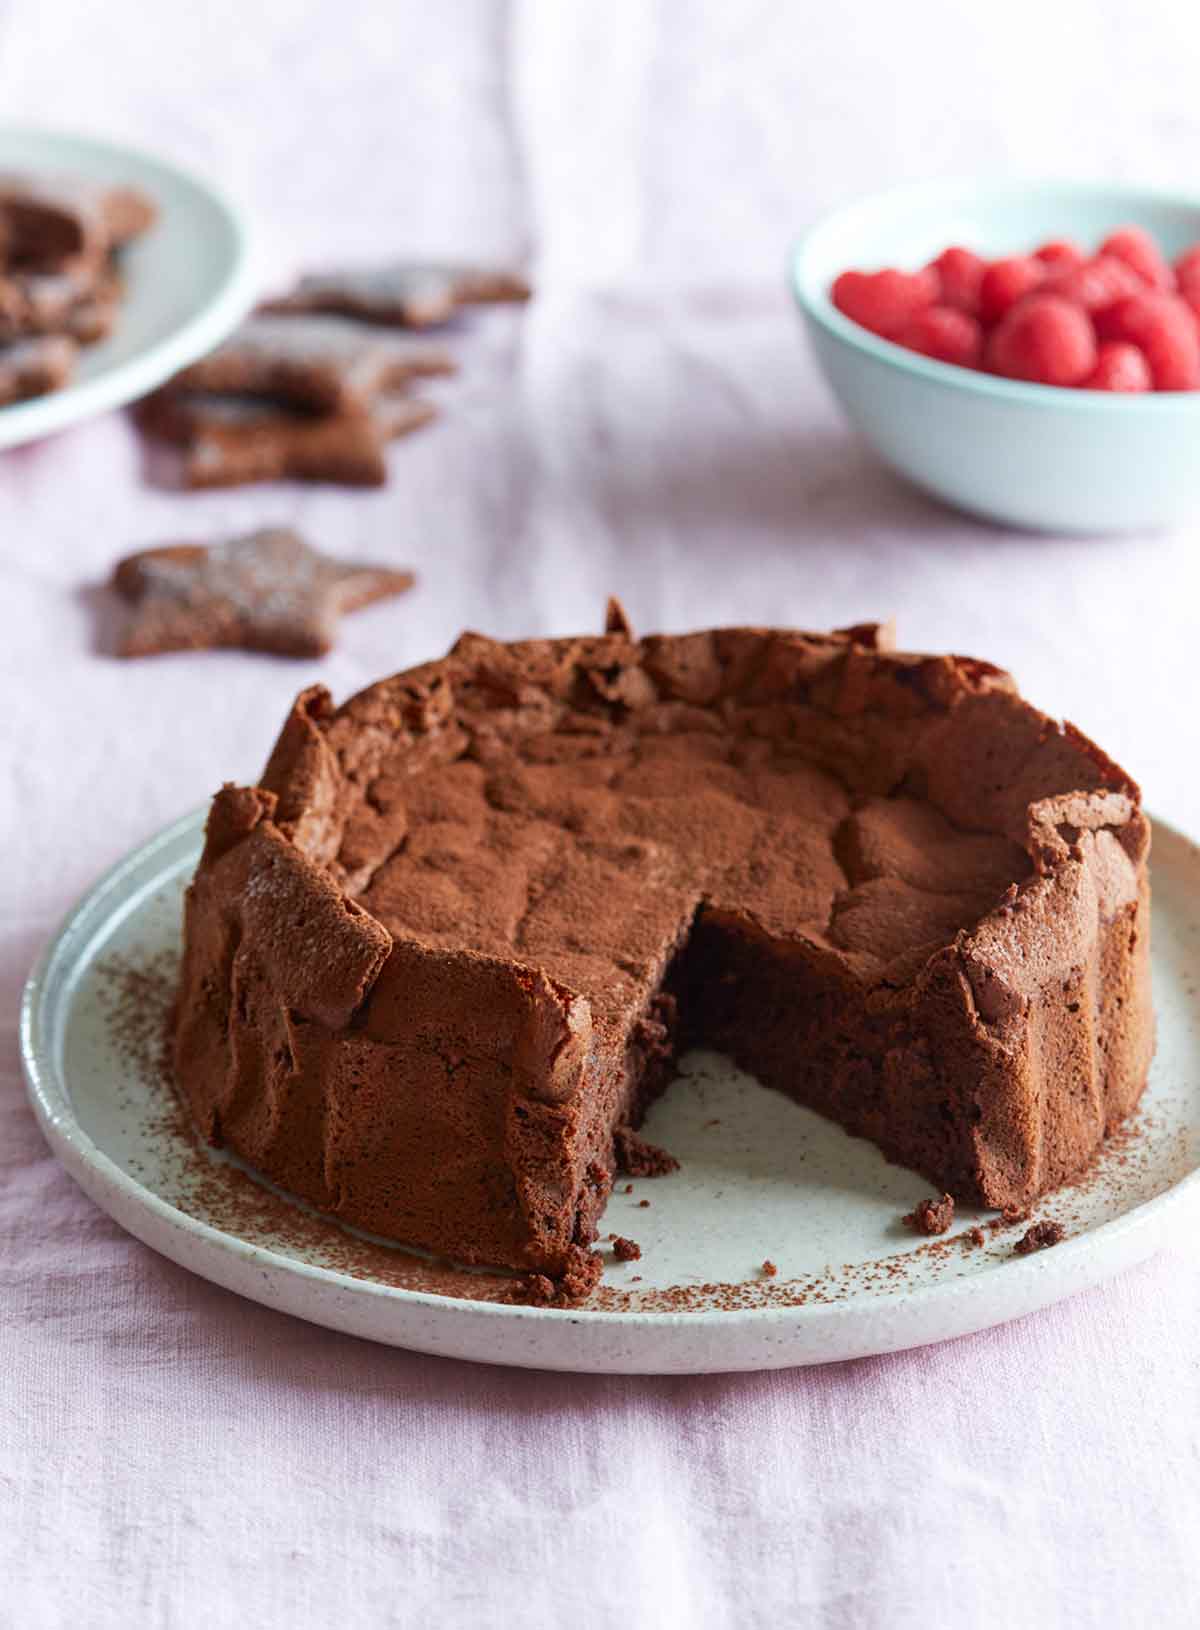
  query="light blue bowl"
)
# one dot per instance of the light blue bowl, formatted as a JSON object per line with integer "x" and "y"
{"x": 1025, "y": 455}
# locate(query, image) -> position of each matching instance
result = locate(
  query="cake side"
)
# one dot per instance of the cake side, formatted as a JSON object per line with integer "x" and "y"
{"x": 929, "y": 899}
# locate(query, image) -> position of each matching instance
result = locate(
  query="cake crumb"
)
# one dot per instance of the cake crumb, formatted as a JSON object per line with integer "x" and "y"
{"x": 976, "y": 1235}
{"x": 768, "y": 1269}
{"x": 576, "y": 1283}
{"x": 1039, "y": 1238}
{"x": 644, "y": 1204}
{"x": 1012, "y": 1215}
{"x": 637, "y": 1158}
{"x": 626, "y": 1250}
{"x": 932, "y": 1216}
{"x": 535, "y": 1290}
{"x": 629, "y": 1188}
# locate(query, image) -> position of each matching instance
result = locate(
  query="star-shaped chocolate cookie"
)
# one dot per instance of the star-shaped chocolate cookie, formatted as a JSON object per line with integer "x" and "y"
{"x": 321, "y": 364}
{"x": 266, "y": 592}
{"x": 402, "y": 294}
{"x": 45, "y": 218}
{"x": 225, "y": 441}
{"x": 79, "y": 298}
{"x": 31, "y": 367}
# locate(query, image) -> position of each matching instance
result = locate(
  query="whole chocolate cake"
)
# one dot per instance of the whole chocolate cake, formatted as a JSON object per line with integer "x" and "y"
{"x": 439, "y": 961}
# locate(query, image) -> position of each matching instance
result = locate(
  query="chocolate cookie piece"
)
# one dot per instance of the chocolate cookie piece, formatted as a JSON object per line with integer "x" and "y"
{"x": 227, "y": 441}
{"x": 79, "y": 298}
{"x": 45, "y": 219}
{"x": 94, "y": 316}
{"x": 321, "y": 363}
{"x": 402, "y": 294}
{"x": 32, "y": 367}
{"x": 266, "y": 592}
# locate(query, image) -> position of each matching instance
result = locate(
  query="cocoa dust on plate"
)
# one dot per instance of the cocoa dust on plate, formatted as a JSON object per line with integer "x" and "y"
{"x": 212, "y": 1188}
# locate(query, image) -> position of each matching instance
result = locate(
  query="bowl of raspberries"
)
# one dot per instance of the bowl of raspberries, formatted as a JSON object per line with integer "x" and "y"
{"x": 1027, "y": 352}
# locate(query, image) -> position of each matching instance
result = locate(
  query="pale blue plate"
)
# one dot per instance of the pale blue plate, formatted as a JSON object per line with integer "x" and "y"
{"x": 1024, "y": 455}
{"x": 188, "y": 281}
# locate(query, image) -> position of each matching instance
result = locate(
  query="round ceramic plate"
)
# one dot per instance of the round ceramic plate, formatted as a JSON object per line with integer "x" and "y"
{"x": 188, "y": 281}
{"x": 761, "y": 1181}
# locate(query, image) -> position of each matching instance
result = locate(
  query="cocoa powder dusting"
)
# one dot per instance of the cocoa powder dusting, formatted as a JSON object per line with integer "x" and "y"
{"x": 138, "y": 998}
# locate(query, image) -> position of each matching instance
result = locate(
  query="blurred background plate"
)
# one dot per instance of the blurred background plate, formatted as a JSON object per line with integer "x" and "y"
{"x": 188, "y": 281}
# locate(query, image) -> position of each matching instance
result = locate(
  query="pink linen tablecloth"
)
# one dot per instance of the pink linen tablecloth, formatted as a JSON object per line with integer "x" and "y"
{"x": 652, "y": 425}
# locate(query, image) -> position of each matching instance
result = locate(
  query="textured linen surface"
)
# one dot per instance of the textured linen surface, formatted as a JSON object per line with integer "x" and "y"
{"x": 652, "y": 425}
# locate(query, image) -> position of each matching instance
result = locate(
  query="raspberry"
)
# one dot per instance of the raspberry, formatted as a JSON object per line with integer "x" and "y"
{"x": 945, "y": 334}
{"x": 884, "y": 301}
{"x": 1119, "y": 367}
{"x": 1060, "y": 254}
{"x": 1164, "y": 327}
{"x": 1135, "y": 246}
{"x": 1004, "y": 282}
{"x": 959, "y": 272}
{"x": 1044, "y": 339}
{"x": 1187, "y": 270}
{"x": 1095, "y": 284}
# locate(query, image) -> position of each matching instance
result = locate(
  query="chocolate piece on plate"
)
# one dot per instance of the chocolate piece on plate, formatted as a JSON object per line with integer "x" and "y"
{"x": 33, "y": 367}
{"x": 47, "y": 218}
{"x": 80, "y": 298}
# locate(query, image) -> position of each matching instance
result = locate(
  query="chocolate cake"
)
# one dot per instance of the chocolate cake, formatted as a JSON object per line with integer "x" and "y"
{"x": 438, "y": 963}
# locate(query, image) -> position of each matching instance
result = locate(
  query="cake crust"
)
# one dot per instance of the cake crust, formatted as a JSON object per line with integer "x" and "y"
{"x": 438, "y": 963}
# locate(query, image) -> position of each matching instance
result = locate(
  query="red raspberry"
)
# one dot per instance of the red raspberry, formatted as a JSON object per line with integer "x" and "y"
{"x": 1119, "y": 367}
{"x": 1187, "y": 269}
{"x": 1060, "y": 254}
{"x": 959, "y": 272}
{"x": 1096, "y": 284}
{"x": 946, "y": 334}
{"x": 1164, "y": 328}
{"x": 1004, "y": 282}
{"x": 1045, "y": 339}
{"x": 1135, "y": 246}
{"x": 884, "y": 301}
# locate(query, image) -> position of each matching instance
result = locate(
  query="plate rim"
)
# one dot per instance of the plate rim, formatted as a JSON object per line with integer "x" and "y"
{"x": 71, "y": 1143}
{"x": 23, "y": 422}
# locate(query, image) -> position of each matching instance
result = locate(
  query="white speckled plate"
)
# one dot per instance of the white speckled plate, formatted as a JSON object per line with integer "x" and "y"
{"x": 188, "y": 281}
{"x": 760, "y": 1180}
